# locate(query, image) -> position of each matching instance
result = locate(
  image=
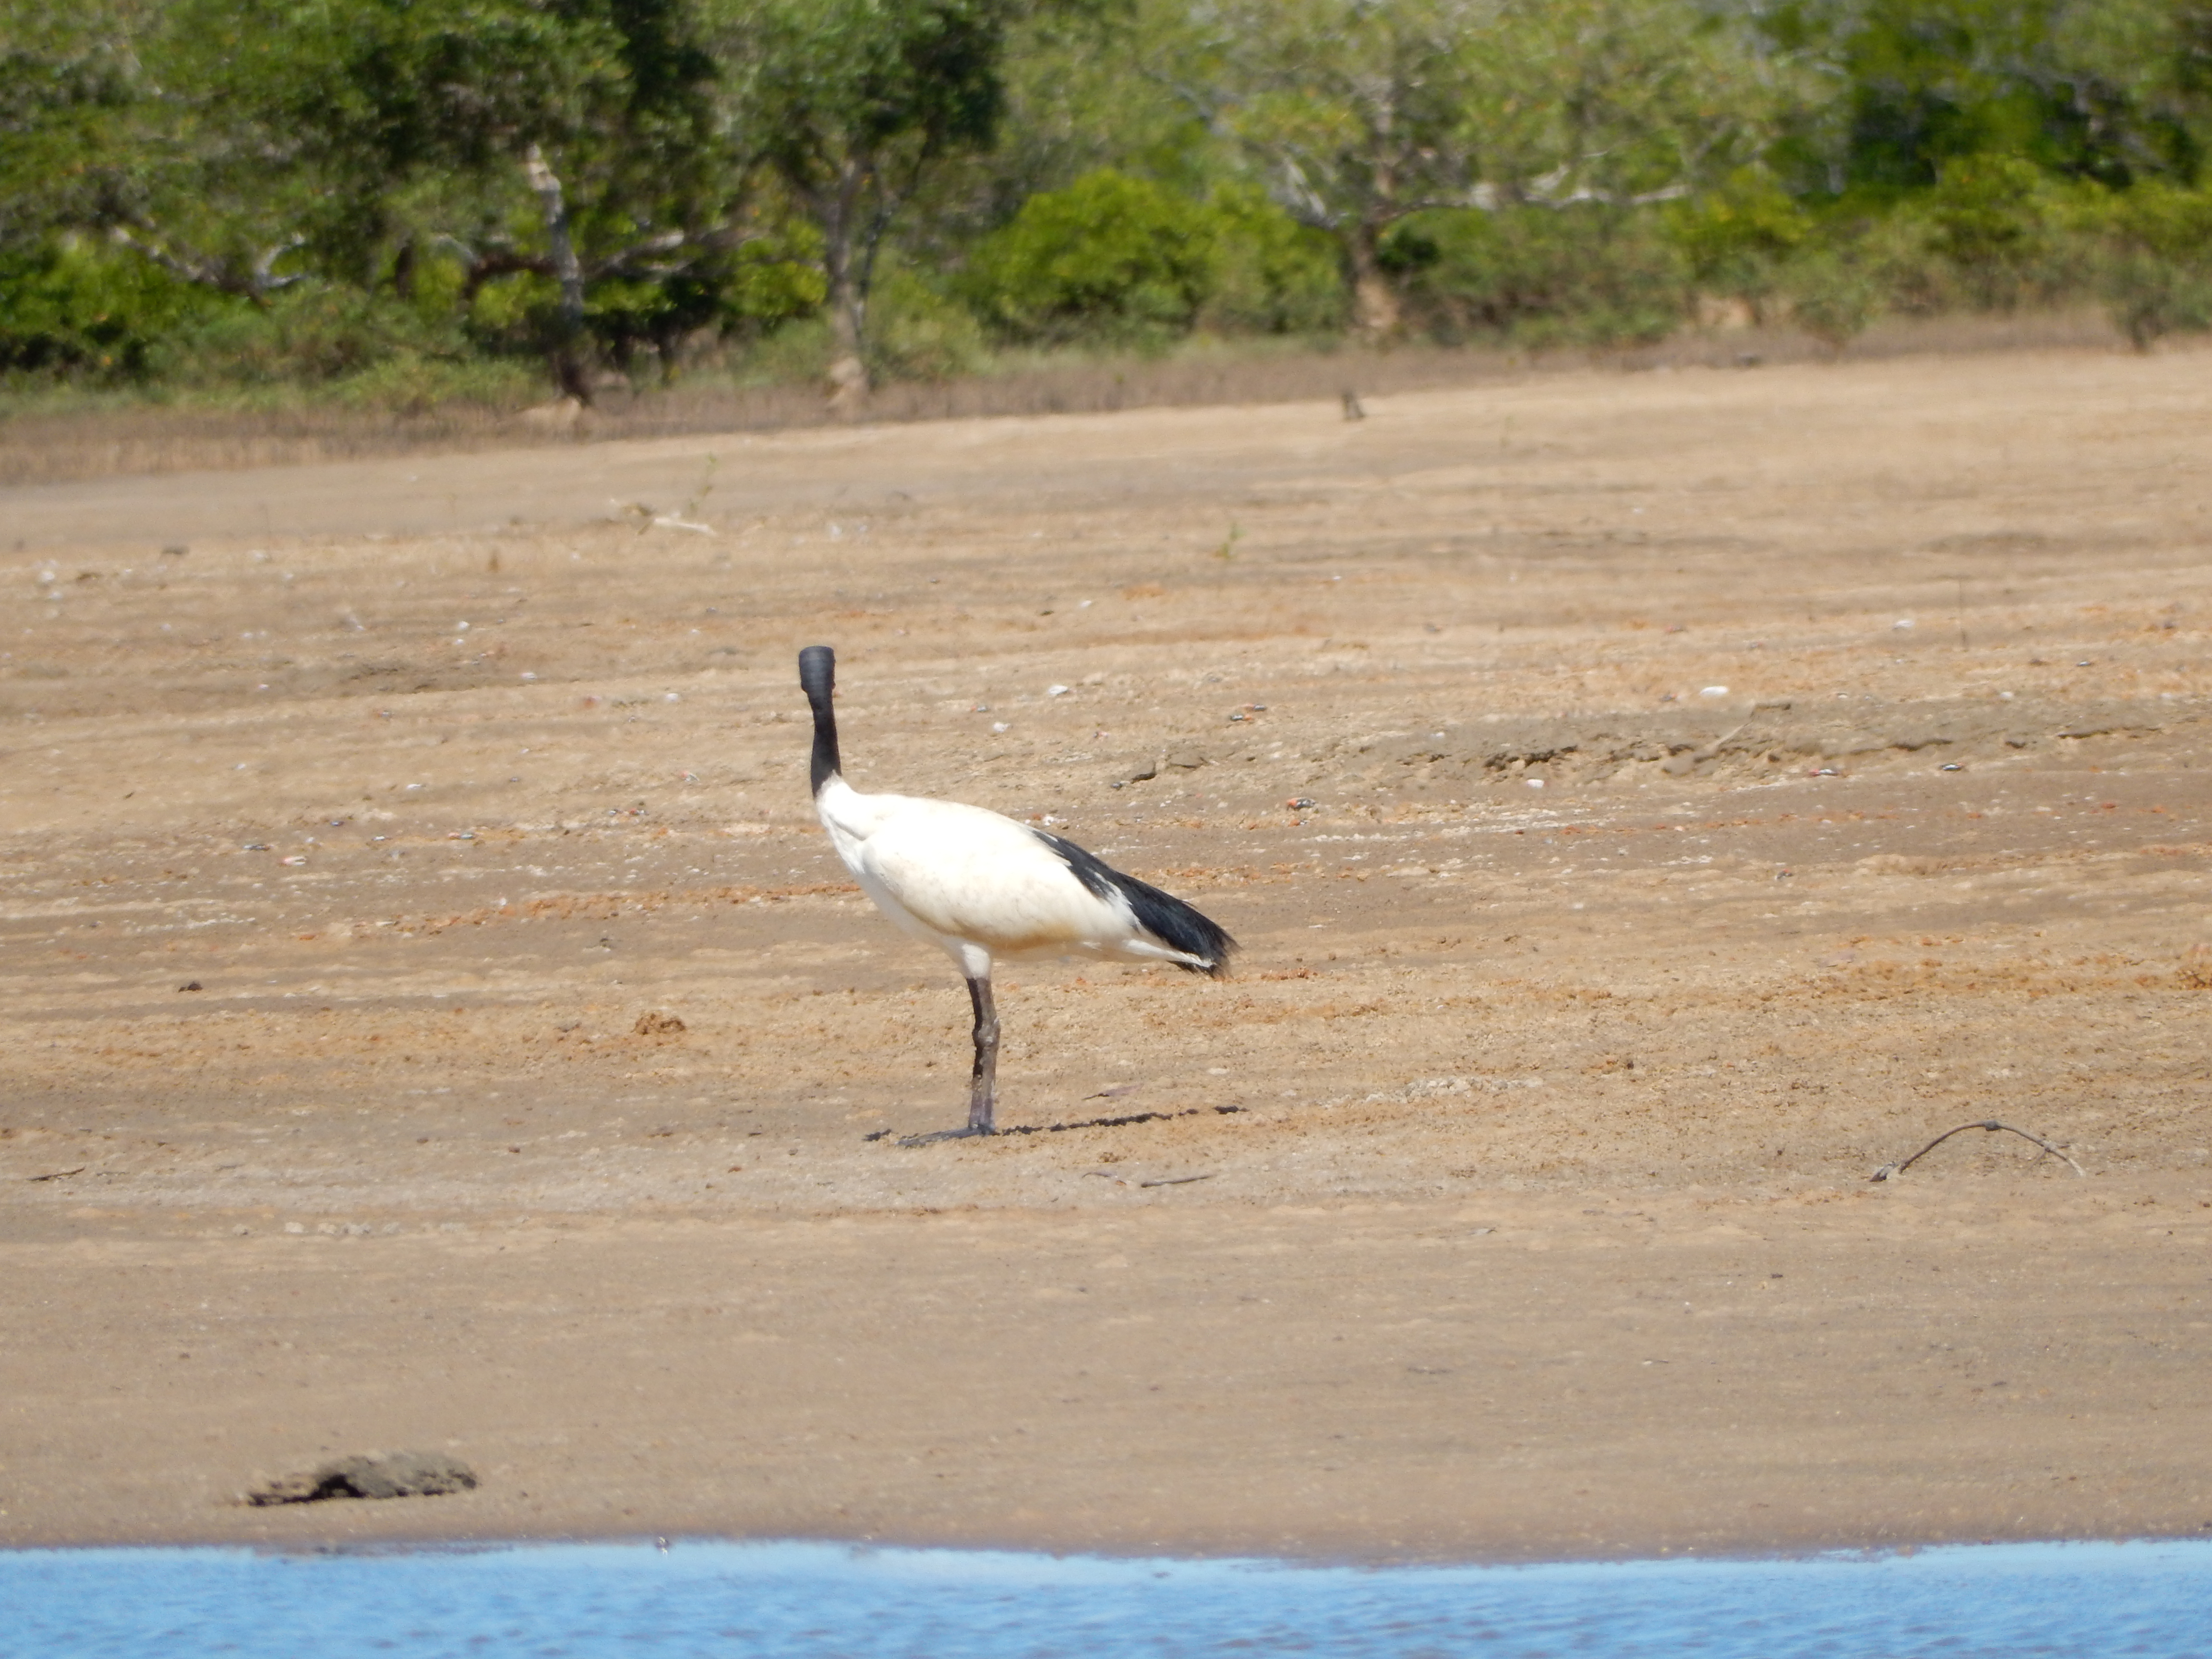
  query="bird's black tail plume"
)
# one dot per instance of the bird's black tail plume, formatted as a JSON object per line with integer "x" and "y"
{"x": 1178, "y": 926}
{"x": 817, "y": 677}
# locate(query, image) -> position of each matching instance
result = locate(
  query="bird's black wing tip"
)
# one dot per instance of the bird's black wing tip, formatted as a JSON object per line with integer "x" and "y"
{"x": 1176, "y": 924}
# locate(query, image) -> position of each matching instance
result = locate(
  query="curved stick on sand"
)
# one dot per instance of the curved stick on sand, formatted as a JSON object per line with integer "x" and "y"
{"x": 1890, "y": 1171}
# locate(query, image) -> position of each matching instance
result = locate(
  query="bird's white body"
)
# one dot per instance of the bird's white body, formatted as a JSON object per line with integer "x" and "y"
{"x": 978, "y": 885}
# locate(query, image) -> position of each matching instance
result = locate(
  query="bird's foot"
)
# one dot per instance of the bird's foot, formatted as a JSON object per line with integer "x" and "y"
{"x": 945, "y": 1134}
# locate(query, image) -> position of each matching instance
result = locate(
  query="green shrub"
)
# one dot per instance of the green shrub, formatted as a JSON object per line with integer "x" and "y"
{"x": 796, "y": 352}
{"x": 772, "y": 282}
{"x": 2154, "y": 274}
{"x": 1994, "y": 234}
{"x": 1272, "y": 275}
{"x": 2148, "y": 297}
{"x": 917, "y": 333}
{"x": 1832, "y": 295}
{"x": 74, "y": 307}
{"x": 1110, "y": 258}
{"x": 1736, "y": 238}
{"x": 1894, "y": 244}
{"x": 308, "y": 335}
{"x": 1587, "y": 275}
{"x": 409, "y": 383}
{"x": 514, "y": 315}
{"x": 1989, "y": 218}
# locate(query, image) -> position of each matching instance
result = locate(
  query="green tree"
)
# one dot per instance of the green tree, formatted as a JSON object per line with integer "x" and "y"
{"x": 577, "y": 144}
{"x": 102, "y": 128}
{"x": 2106, "y": 89}
{"x": 68, "y": 79}
{"x": 1359, "y": 113}
{"x": 1077, "y": 100}
{"x": 853, "y": 103}
{"x": 597, "y": 113}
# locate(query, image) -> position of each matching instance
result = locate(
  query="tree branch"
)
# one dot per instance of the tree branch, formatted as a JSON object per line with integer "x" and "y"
{"x": 620, "y": 261}
{"x": 496, "y": 262}
{"x": 255, "y": 284}
{"x": 1891, "y": 1171}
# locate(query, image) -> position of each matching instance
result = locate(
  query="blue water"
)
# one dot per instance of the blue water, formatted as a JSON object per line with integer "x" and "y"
{"x": 774, "y": 1600}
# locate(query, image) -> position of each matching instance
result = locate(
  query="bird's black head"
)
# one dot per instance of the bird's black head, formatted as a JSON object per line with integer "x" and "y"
{"x": 818, "y": 673}
{"x": 817, "y": 677}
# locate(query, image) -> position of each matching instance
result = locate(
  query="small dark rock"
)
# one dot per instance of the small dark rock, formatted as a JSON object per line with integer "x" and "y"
{"x": 372, "y": 1474}
{"x": 191, "y": 985}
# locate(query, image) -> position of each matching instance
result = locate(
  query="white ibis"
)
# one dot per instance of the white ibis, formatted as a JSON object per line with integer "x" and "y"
{"x": 979, "y": 886}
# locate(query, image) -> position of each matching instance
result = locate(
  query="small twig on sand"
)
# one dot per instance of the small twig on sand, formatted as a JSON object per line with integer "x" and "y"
{"x": 58, "y": 1175}
{"x": 1889, "y": 1171}
{"x": 1175, "y": 1180}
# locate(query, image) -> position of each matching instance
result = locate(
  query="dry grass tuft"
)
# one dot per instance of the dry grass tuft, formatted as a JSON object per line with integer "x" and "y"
{"x": 59, "y": 447}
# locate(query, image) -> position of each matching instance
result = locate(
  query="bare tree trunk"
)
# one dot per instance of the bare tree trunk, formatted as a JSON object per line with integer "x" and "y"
{"x": 849, "y": 369}
{"x": 1374, "y": 302}
{"x": 1374, "y": 312}
{"x": 567, "y": 271}
{"x": 845, "y": 266}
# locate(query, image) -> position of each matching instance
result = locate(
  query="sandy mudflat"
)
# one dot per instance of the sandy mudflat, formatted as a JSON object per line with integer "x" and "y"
{"x": 1577, "y": 1003}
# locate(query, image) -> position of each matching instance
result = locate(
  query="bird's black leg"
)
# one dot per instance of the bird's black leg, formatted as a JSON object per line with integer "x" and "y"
{"x": 982, "y": 1088}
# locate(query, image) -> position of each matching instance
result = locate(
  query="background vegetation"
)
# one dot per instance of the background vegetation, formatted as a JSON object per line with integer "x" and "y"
{"x": 406, "y": 202}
